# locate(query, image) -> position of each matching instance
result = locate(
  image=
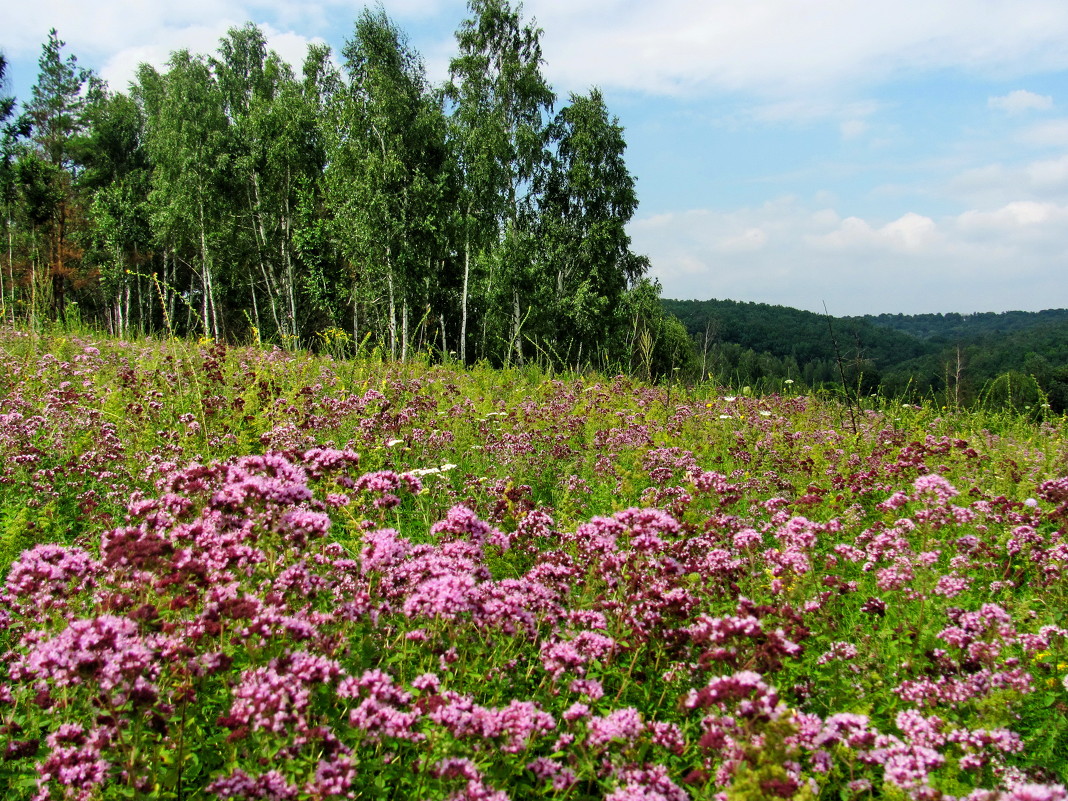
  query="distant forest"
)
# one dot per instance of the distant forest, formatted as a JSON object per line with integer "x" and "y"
{"x": 1014, "y": 358}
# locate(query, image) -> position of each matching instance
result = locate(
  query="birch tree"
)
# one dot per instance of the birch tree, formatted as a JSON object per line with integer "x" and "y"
{"x": 271, "y": 141}
{"x": 587, "y": 200}
{"x": 384, "y": 173}
{"x": 12, "y": 130}
{"x": 322, "y": 276}
{"x": 500, "y": 102}
{"x": 186, "y": 140}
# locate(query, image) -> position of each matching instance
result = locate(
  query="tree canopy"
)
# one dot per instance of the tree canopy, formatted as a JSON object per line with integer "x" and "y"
{"x": 227, "y": 196}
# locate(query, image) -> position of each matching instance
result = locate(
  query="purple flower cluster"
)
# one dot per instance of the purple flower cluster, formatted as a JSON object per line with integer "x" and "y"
{"x": 574, "y": 602}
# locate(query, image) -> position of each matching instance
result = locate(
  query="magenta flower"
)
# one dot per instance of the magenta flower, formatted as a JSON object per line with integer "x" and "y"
{"x": 75, "y": 763}
{"x": 461, "y": 523}
{"x": 46, "y": 576}
{"x": 623, "y": 725}
{"x": 936, "y": 486}
{"x": 444, "y": 597}
{"x": 269, "y": 786}
{"x": 1035, "y": 792}
{"x": 649, "y": 783}
{"x": 276, "y": 698}
{"x": 744, "y": 690}
{"x": 384, "y": 709}
{"x": 559, "y": 656}
{"x": 106, "y": 652}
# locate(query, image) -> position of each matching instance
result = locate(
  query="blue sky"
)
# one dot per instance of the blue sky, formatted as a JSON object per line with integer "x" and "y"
{"x": 871, "y": 155}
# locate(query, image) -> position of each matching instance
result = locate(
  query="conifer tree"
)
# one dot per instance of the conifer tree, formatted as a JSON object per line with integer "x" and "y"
{"x": 116, "y": 178}
{"x": 57, "y": 115}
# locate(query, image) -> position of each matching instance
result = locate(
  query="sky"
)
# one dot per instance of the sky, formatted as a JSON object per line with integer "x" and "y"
{"x": 858, "y": 156}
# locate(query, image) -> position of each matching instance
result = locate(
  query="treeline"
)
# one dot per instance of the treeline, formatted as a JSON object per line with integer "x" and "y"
{"x": 952, "y": 327}
{"x": 227, "y": 196}
{"x": 1015, "y": 358}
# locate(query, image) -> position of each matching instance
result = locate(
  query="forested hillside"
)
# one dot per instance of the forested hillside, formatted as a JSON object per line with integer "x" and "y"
{"x": 228, "y": 196}
{"x": 950, "y": 328}
{"x": 1019, "y": 358}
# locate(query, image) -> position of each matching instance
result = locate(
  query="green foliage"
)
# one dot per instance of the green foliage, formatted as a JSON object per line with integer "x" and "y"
{"x": 587, "y": 200}
{"x": 497, "y": 132}
{"x": 57, "y": 107}
{"x": 226, "y": 197}
{"x": 386, "y": 180}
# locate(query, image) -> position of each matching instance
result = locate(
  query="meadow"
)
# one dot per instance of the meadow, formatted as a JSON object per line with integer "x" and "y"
{"x": 246, "y": 573}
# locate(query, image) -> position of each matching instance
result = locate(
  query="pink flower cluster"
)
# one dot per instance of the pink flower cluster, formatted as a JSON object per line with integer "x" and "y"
{"x": 316, "y": 630}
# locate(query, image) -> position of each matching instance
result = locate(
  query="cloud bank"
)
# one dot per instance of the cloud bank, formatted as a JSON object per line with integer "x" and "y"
{"x": 783, "y": 48}
{"x": 791, "y": 253}
{"x": 1019, "y": 101}
{"x": 774, "y": 48}
{"x": 115, "y": 37}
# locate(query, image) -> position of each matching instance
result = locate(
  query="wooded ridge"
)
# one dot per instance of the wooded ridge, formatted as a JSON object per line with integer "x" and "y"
{"x": 1015, "y": 357}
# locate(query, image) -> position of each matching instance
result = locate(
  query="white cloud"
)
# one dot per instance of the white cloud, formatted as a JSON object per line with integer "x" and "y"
{"x": 1020, "y": 100}
{"x": 908, "y": 233}
{"x": 115, "y": 36}
{"x": 993, "y": 184}
{"x": 750, "y": 239}
{"x": 102, "y": 28}
{"x": 1049, "y": 176}
{"x": 779, "y": 50}
{"x": 292, "y": 47}
{"x": 1053, "y": 133}
{"x": 121, "y": 68}
{"x": 1016, "y": 218}
{"x": 782, "y": 48}
{"x": 994, "y": 259}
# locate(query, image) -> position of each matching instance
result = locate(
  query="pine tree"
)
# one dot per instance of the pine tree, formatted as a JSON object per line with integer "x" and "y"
{"x": 57, "y": 115}
{"x": 116, "y": 179}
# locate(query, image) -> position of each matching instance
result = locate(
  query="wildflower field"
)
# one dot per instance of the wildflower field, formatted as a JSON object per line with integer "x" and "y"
{"x": 253, "y": 574}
